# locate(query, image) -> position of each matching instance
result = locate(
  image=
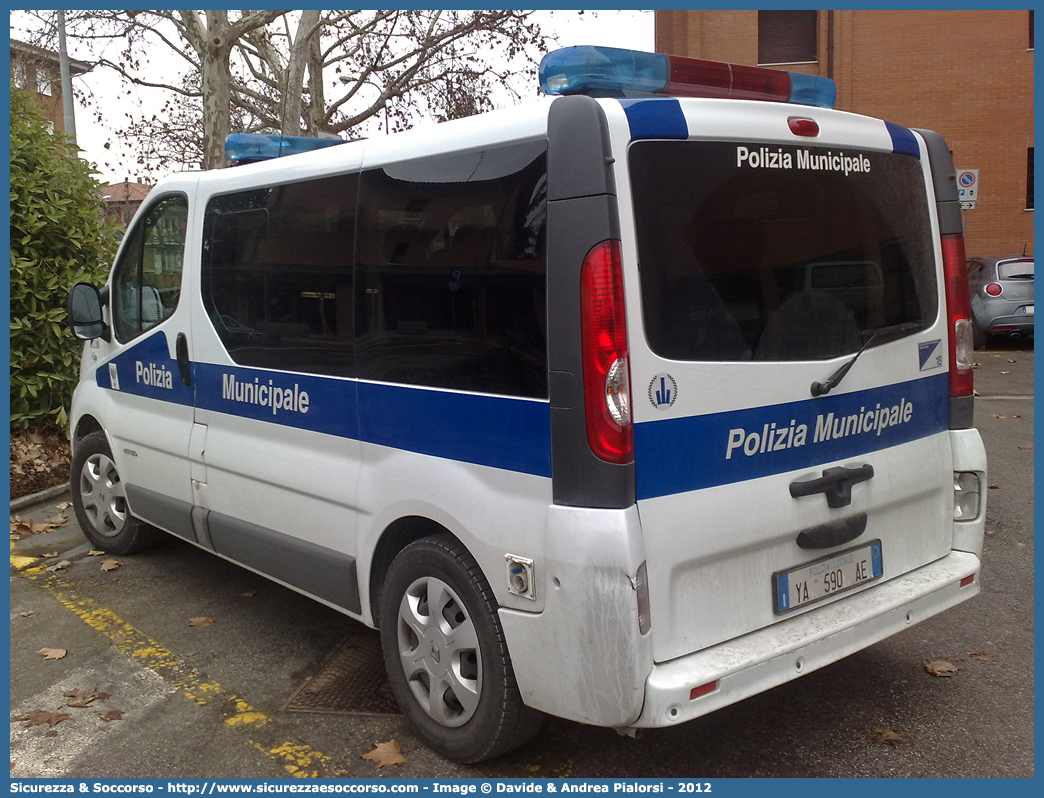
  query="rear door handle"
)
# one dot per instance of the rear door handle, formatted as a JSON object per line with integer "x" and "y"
{"x": 836, "y": 483}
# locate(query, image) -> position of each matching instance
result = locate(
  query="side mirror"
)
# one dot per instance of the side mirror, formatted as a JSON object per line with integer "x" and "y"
{"x": 85, "y": 313}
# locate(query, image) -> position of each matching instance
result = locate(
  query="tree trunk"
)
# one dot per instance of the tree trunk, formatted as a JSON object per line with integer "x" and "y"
{"x": 217, "y": 89}
{"x": 293, "y": 99}
{"x": 315, "y": 119}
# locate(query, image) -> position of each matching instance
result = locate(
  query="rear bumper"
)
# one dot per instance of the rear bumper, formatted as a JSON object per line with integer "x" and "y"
{"x": 786, "y": 650}
{"x": 989, "y": 318}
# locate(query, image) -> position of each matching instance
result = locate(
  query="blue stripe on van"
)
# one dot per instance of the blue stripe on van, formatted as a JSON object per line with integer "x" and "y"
{"x": 656, "y": 118}
{"x": 903, "y": 141}
{"x": 684, "y": 454}
{"x": 496, "y": 431}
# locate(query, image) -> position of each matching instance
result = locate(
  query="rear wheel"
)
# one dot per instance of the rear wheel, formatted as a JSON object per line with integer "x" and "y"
{"x": 99, "y": 498}
{"x": 446, "y": 657}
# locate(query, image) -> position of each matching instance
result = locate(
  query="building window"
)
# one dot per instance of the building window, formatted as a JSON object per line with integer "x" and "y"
{"x": 18, "y": 75}
{"x": 786, "y": 37}
{"x": 49, "y": 124}
{"x": 1029, "y": 179}
{"x": 43, "y": 83}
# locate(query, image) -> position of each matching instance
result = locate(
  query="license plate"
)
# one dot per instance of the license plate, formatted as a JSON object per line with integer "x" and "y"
{"x": 1027, "y": 309}
{"x": 826, "y": 577}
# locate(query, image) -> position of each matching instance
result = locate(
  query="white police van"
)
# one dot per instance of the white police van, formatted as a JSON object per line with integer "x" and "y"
{"x": 621, "y": 407}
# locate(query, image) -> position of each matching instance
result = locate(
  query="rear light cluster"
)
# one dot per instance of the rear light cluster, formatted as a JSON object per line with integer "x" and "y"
{"x": 607, "y": 393}
{"x": 994, "y": 289}
{"x": 967, "y": 494}
{"x": 958, "y": 312}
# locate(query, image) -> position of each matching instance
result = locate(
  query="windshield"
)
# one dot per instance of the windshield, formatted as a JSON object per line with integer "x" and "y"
{"x": 766, "y": 252}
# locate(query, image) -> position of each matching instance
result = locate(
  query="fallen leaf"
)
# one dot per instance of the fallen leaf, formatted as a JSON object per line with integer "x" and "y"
{"x": 1012, "y": 361}
{"x": 110, "y": 565}
{"x": 1005, "y": 372}
{"x": 82, "y": 697}
{"x": 999, "y": 415}
{"x": 201, "y": 621}
{"x": 386, "y": 754}
{"x": 993, "y": 486}
{"x": 890, "y": 736}
{"x": 940, "y": 667}
{"x": 53, "y": 653}
{"x": 1015, "y": 415}
{"x": 65, "y": 505}
{"x": 49, "y": 555}
{"x": 112, "y": 714}
{"x": 976, "y": 365}
{"x": 250, "y": 593}
{"x": 57, "y": 521}
{"x": 1026, "y": 448}
{"x": 27, "y": 614}
{"x": 41, "y": 716}
{"x": 95, "y": 553}
{"x": 983, "y": 655}
{"x": 58, "y": 566}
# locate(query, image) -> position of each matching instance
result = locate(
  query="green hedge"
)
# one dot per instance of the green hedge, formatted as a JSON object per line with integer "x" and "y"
{"x": 58, "y": 236}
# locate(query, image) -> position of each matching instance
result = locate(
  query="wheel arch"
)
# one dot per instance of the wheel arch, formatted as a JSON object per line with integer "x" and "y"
{"x": 84, "y": 427}
{"x": 396, "y": 536}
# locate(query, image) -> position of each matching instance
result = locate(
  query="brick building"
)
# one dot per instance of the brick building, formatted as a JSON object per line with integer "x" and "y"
{"x": 37, "y": 71}
{"x": 122, "y": 200}
{"x": 965, "y": 74}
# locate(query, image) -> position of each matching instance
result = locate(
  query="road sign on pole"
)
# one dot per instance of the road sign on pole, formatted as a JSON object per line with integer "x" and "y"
{"x": 967, "y": 187}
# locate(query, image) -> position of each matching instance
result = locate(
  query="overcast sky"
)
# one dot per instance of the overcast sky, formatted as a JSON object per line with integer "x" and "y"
{"x": 628, "y": 29}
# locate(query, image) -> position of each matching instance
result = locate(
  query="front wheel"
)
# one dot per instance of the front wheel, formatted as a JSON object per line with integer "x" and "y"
{"x": 447, "y": 660}
{"x": 99, "y": 498}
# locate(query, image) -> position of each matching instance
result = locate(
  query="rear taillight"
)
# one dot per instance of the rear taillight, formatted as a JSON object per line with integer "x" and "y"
{"x": 958, "y": 313}
{"x": 994, "y": 289}
{"x": 607, "y": 395}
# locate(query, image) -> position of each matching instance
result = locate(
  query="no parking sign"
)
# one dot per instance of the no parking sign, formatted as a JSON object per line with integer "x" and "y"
{"x": 967, "y": 187}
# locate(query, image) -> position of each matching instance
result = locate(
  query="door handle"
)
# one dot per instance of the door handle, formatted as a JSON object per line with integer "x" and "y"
{"x": 184, "y": 366}
{"x": 836, "y": 483}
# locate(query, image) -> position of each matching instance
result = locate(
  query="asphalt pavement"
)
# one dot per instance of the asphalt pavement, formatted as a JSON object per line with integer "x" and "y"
{"x": 187, "y": 665}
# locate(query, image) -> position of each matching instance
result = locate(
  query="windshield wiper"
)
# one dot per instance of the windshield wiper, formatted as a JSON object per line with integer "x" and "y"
{"x": 823, "y": 388}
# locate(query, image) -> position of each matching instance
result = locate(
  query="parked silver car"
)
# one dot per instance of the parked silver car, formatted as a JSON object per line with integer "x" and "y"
{"x": 1001, "y": 296}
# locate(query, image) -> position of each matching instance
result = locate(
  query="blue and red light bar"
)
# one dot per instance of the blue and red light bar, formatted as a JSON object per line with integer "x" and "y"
{"x": 241, "y": 148}
{"x": 597, "y": 70}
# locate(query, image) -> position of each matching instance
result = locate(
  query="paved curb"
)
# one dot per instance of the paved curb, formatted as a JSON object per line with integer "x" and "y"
{"x": 39, "y": 497}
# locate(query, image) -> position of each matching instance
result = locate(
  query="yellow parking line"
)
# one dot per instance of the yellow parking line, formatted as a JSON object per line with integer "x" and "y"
{"x": 298, "y": 759}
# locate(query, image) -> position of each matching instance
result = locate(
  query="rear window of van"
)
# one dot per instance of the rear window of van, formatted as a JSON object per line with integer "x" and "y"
{"x": 765, "y": 252}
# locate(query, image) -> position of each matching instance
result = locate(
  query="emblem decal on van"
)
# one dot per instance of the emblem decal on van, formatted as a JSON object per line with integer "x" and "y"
{"x": 929, "y": 355}
{"x": 114, "y": 376}
{"x": 663, "y": 391}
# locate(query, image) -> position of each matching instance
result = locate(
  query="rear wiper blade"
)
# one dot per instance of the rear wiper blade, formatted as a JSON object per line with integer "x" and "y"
{"x": 823, "y": 388}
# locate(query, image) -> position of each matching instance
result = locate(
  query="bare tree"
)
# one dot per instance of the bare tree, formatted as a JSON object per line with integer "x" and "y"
{"x": 274, "y": 70}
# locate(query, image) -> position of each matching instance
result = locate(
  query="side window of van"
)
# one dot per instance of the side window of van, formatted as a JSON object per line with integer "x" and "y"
{"x": 450, "y": 287}
{"x": 277, "y": 274}
{"x": 146, "y": 281}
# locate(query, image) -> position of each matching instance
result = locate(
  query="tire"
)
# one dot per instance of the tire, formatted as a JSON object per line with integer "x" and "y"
{"x": 475, "y": 711}
{"x": 100, "y": 500}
